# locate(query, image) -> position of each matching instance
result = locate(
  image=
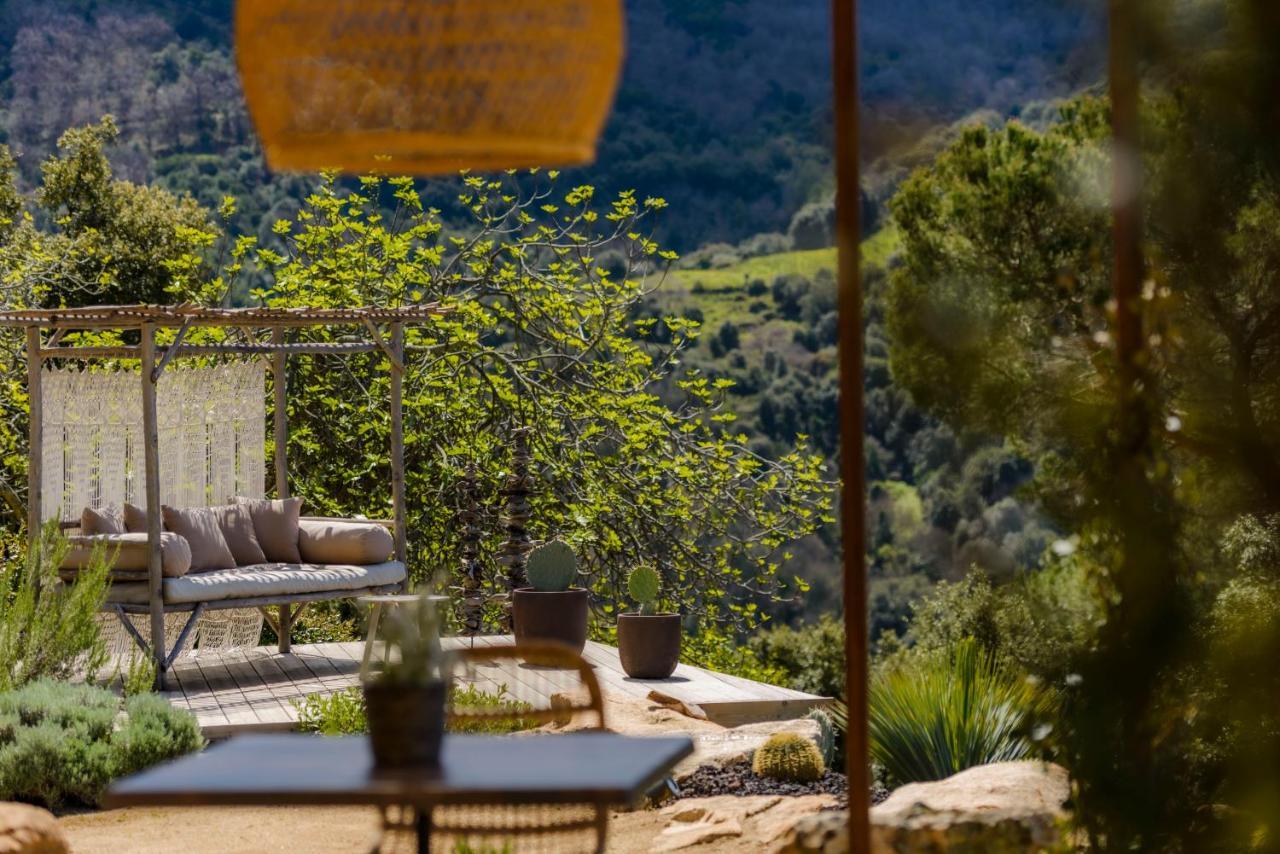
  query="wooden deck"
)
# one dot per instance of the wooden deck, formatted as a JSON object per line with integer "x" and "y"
{"x": 254, "y": 690}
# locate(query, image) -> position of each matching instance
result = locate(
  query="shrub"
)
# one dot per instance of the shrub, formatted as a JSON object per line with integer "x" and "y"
{"x": 49, "y": 629}
{"x": 811, "y": 656}
{"x": 934, "y": 716}
{"x": 63, "y": 743}
{"x": 343, "y": 713}
{"x": 790, "y": 757}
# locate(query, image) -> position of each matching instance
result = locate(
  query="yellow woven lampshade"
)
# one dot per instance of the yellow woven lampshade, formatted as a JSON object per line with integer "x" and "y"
{"x": 428, "y": 86}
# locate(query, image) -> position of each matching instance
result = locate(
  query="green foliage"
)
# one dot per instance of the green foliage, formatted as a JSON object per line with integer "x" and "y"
{"x": 63, "y": 743}
{"x": 49, "y": 629}
{"x": 340, "y": 713}
{"x": 552, "y": 566}
{"x": 644, "y": 584}
{"x": 938, "y": 715}
{"x": 138, "y": 676}
{"x": 473, "y": 699}
{"x": 811, "y": 655}
{"x": 412, "y": 630}
{"x": 789, "y": 757}
{"x": 343, "y": 712}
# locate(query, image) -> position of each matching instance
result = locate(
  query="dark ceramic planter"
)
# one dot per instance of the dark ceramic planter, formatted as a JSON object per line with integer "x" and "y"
{"x": 649, "y": 645}
{"x": 559, "y": 616}
{"x": 406, "y": 724}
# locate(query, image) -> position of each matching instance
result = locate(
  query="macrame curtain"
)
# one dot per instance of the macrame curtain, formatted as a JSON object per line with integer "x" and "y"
{"x": 211, "y": 423}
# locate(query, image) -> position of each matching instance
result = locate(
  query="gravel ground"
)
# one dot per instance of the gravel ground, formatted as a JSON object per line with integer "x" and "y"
{"x": 736, "y": 779}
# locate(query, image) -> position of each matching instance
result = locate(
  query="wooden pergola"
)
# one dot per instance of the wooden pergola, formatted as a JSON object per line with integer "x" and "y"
{"x": 376, "y": 330}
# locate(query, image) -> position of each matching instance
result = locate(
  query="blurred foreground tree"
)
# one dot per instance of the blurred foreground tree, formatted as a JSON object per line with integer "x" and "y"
{"x": 1003, "y": 320}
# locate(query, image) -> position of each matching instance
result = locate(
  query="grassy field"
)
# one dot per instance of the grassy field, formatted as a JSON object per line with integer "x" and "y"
{"x": 721, "y": 294}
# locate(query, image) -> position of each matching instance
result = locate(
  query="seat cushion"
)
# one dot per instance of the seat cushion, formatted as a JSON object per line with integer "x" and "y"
{"x": 329, "y": 541}
{"x": 267, "y": 579}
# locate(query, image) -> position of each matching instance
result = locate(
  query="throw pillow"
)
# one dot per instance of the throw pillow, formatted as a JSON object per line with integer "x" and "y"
{"x": 94, "y": 522}
{"x": 135, "y": 519}
{"x": 275, "y": 521}
{"x": 199, "y": 527}
{"x": 236, "y": 524}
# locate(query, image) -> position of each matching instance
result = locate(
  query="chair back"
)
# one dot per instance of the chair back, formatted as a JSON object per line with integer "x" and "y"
{"x": 535, "y": 685}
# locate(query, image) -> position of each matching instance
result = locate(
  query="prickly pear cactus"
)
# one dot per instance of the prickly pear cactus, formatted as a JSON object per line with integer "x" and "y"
{"x": 643, "y": 584}
{"x": 790, "y": 757}
{"x": 552, "y": 566}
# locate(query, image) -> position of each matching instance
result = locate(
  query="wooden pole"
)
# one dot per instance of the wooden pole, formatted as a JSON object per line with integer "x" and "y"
{"x": 35, "y": 435}
{"x": 151, "y": 449}
{"x": 849, "y": 326}
{"x": 397, "y": 441}
{"x": 279, "y": 389}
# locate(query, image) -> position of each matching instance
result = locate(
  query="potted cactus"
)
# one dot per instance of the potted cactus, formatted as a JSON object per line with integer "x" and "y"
{"x": 551, "y": 609}
{"x": 648, "y": 642}
{"x": 405, "y": 702}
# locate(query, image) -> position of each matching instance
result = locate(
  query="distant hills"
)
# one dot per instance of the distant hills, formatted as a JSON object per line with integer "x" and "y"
{"x": 723, "y": 110}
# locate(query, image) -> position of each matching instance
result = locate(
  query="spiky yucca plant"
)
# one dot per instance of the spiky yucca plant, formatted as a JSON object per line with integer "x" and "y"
{"x": 933, "y": 718}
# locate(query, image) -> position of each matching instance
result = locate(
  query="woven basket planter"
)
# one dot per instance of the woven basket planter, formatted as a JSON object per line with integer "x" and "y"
{"x": 428, "y": 86}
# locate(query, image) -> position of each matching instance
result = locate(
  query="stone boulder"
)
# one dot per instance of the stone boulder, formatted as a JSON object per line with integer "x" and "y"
{"x": 992, "y": 809}
{"x": 761, "y": 819}
{"x": 25, "y": 829}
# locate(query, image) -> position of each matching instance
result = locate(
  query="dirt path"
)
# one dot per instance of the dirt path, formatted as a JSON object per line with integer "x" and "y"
{"x": 296, "y": 830}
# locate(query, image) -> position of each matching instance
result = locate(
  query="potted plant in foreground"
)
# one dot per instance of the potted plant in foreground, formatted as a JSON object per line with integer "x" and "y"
{"x": 405, "y": 702}
{"x": 551, "y": 609}
{"x": 648, "y": 643}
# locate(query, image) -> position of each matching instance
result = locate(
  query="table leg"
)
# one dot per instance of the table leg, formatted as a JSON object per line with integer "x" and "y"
{"x": 422, "y": 824}
{"x": 375, "y": 611}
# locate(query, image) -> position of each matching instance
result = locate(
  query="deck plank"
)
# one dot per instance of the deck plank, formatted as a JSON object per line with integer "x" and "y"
{"x": 255, "y": 689}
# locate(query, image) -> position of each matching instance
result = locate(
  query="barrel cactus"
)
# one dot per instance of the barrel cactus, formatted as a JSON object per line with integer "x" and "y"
{"x": 552, "y": 566}
{"x": 643, "y": 584}
{"x": 789, "y": 757}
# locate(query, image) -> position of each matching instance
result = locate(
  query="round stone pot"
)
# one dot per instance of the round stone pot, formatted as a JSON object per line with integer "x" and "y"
{"x": 649, "y": 644}
{"x": 406, "y": 724}
{"x": 559, "y": 615}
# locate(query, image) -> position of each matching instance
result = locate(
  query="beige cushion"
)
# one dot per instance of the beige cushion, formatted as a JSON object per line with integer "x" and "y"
{"x": 236, "y": 524}
{"x": 199, "y": 526}
{"x": 325, "y": 541}
{"x": 128, "y": 553}
{"x": 271, "y": 579}
{"x": 276, "y": 524}
{"x": 135, "y": 519}
{"x": 94, "y": 522}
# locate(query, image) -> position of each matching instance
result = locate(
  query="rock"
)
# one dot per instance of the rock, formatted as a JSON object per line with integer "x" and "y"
{"x": 992, "y": 809}
{"x": 25, "y": 829}
{"x": 700, "y": 820}
{"x": 765, "y": 817}
{"x": 1005, "y": 806}
{"x": 779, "y": 819}
{"x": 823, "y": 833}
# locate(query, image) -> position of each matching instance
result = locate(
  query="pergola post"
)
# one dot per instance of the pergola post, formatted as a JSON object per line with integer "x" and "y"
{"x": 397, "y": 440}
{"x": 844, "y": 31}
{"x": 151, "y": 453}
{"x": 35, "y": 435}
{"x": 280, "y": 414}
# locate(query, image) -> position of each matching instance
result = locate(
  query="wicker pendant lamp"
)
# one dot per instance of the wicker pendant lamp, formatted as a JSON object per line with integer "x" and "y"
{"x": 428, "y": 86}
